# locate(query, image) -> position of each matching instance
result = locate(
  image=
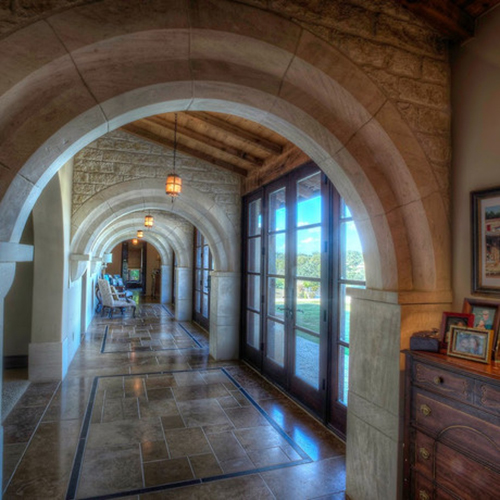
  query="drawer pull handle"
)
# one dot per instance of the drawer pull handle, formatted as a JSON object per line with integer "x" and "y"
{"x": 425, "y": 410}
{"x": 424, "y": 453}
{"x": 438, "y": 380}
{"x": 423, "y": 495}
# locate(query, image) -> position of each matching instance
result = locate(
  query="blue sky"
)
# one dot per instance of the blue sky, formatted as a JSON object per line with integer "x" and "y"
{"x": 309, "y": 212}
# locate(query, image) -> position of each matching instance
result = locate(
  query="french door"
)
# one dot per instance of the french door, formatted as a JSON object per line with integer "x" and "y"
{"x": 294, "y": 328}
{"x": 201, "y": 285}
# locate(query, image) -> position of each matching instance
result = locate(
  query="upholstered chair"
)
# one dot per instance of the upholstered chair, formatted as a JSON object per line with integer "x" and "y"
{"x": 112, "y": 301}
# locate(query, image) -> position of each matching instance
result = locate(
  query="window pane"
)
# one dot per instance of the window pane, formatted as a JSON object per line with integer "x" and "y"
{"x": 204, "y": 300}
{"x": 343, "y": 374}
{"x": 197, "y": 302}
{"x": 276, "y": 258}
{"x": 253, "y": 329}
{"x": 309, "y": 200}
{"x": 276, "y": 297}
{"x": 309, "y": 252}
{"x": 253, "y": 292}
{"x": 307, "y": 358}
{"x": 275, "y": 348}
{"x": 345, "y": 213}
{"x": 254, "y": 254}
{"x": 277, "y": 210}
{"x": 352, "y": 265}
{"x": 197, "y": 282}
{"x": 307, "y": 306}
{"x": 345, "y": 312}
{"x": 254, "y": 218}
{"x": 198, "y": 256}
{"x": 206, "y": 253}
{"x": 205, "y": 282}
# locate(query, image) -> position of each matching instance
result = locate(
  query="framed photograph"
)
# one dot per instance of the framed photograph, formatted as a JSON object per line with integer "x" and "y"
{"x": 470, "y": 343}
{"x": 486, "y": 315}
{"x": 485, "y": 209}
{"x": 453, "y": 319}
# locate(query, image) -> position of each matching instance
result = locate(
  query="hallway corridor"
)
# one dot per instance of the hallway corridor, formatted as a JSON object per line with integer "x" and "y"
{"x": 144, "y": 413}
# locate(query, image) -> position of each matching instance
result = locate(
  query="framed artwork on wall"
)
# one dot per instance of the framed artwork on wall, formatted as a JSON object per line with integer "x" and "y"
{"x": 485, "y": 210}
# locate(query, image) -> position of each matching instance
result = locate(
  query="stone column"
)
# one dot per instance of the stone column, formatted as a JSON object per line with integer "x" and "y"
{"x": 9, "y": 253}
{"x": 224, "y": 315}
{"x": 381, "y": 323}
{"x": 166, "y": 284}
{"x": 184, "y": 294}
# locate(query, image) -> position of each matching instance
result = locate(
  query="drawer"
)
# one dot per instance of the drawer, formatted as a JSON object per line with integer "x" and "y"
{"x": 487, "y": 397}
{"x": 423, "y": 454}
{"x": 423, "y": 488}
{"x": 444, "y": 382}
{"x": 464, "y": 477}
{"x": 473, "y": 435}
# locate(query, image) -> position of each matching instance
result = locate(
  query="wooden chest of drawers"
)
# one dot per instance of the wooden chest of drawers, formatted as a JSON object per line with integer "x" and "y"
{"x": 452, "y": 428}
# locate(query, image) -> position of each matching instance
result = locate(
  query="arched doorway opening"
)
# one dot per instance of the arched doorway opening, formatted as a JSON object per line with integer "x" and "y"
{"x": 333, "y": 111}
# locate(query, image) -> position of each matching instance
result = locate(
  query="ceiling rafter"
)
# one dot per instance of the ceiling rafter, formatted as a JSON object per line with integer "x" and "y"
{"x": 137, "y": 130}
{"x": 213, "y": 144}
{"x": 257, "y": 141}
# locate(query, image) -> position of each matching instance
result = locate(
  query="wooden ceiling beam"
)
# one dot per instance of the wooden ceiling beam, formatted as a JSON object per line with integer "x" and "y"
{"x": 143, "y": 133}
{"x": 243, "y": 135}
{"x": 238, "y": 154}
{"x": 443, "y": 15}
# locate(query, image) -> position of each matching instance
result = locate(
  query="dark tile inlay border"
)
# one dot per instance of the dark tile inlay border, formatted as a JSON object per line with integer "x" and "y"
{"x": 150, "y": 349}
{"x": 79, "y": 456}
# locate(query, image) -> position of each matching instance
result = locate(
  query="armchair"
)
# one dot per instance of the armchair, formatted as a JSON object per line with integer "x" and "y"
{"x": 112, "y": 300}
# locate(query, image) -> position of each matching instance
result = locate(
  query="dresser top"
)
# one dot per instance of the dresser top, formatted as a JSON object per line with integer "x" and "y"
{"x": 489, "y": 371}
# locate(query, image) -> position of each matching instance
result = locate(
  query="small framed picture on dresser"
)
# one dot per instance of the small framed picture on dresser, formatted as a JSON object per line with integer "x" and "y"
{"x": 450, "y": 319}
{"x": 471, "y": 343}
{"x": 486, "y": 315}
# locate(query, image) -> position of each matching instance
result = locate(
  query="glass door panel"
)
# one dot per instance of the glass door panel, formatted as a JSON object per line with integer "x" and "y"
{"x": 201, "y": 288}
{"x": 307, "y": 356}
{"x": 252, "y": 281}
{"x": 277, "y": 302}
{"x": 275, "y": 345}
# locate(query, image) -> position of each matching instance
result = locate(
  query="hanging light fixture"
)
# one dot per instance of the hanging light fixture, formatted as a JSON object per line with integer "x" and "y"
{"x": 140, "y": 233}
{"x": 135, "y": 241}
{"x": 148, "y": 221}
{"x": 173, "y": 186}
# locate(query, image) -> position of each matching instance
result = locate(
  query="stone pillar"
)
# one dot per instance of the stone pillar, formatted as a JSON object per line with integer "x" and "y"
{"x": 46, "y": 350}
{"x": 381, "y": 323}
{"x": 7, "y": 273}
{"x": 224, "y": 315}
{"x": 183, "y": 294}
{"x": 166, "y": 284}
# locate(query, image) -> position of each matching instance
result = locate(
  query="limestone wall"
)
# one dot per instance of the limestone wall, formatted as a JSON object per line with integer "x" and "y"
{"x": 408, "y": 60}
{"x": 118, "y": 157}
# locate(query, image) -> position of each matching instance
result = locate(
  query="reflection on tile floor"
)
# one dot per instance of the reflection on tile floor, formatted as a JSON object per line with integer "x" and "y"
{"x": 161, "y": 424}
{"x": 158, "y": 430}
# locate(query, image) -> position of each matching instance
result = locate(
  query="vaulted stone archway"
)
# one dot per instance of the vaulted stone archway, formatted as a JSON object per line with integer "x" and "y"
{"x": 76, "y": 75}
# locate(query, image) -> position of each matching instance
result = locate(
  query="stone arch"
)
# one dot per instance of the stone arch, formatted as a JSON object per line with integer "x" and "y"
{"x": 75, "y": 75}
{"x": 128, "y": 197}
{"x": 297, "y": 85}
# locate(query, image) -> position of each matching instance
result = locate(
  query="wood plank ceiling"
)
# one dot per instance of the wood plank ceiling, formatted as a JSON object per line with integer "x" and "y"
{"x": 454, "y": 19}
{"x": 257, "y": 153}
{"x": 228, "y": 141}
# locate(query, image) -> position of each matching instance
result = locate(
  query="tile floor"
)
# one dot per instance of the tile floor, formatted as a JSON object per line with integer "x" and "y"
{"x": 144, "y": 413}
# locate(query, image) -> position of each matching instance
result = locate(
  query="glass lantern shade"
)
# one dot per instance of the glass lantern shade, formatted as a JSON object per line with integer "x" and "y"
{"x": 140, "y": 233}
{"x": 148, "y": 221}
{"x": 173, "y": 186}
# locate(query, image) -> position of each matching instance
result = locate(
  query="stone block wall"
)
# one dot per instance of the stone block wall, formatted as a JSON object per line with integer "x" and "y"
{"x": 118, "y": 157}
{"x": 407, "y": 59}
